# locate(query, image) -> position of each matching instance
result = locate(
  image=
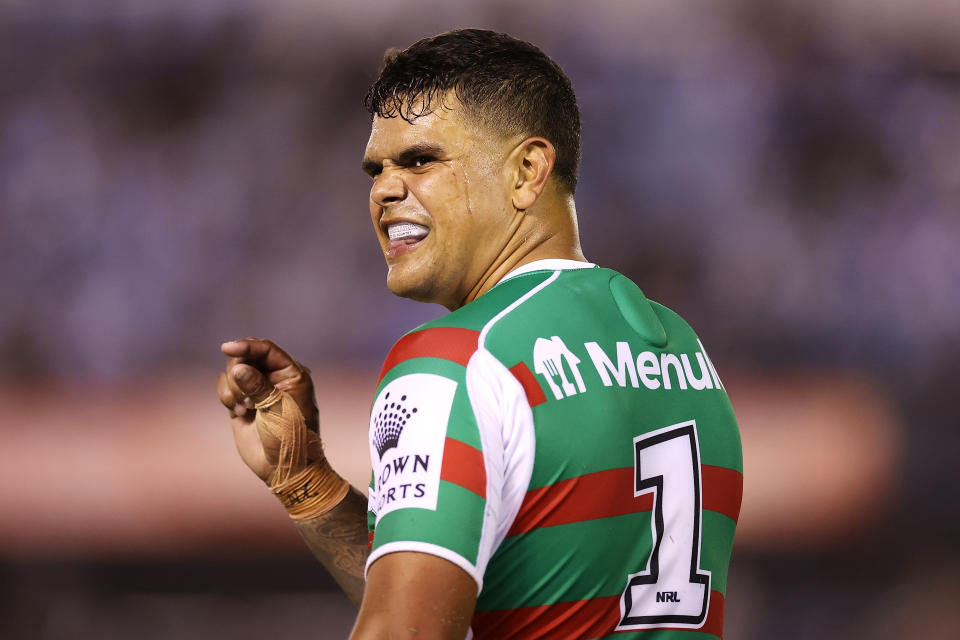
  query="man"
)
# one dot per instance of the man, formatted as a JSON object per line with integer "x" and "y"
{"x": 557, "y": 457}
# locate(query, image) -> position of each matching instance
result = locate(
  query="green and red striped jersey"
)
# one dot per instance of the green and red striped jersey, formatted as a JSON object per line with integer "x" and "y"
{"x": 569, "y": 444}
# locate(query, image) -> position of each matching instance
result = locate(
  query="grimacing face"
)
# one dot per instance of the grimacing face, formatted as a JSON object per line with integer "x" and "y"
{"x": 447, "y": 180}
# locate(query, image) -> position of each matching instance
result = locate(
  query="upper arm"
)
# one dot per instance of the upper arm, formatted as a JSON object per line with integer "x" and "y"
{"x": 411, "y": 594}
{"x": 429, "y": 489}
{"x": 435, "y": 497}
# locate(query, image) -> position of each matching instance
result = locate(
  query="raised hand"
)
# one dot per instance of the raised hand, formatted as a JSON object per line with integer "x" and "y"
{"x": 254, "y": 368}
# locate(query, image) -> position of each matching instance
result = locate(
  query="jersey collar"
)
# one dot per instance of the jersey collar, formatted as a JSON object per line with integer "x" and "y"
{"x": 549, "y": 264}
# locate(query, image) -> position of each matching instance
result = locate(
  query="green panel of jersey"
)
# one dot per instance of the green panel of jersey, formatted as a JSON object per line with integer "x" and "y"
{"x": 573, "y": 449}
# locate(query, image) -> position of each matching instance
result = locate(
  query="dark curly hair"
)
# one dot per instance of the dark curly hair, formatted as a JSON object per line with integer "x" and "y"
{"x": 506, "y": 84}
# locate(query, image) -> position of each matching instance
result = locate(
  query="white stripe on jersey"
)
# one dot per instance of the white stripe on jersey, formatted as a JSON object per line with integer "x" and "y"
{"x": 507, "y": 436}
{"x": 508, "y": 441}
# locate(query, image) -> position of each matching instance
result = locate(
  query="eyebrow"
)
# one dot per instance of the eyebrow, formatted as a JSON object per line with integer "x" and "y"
{"x": 405, "y": 157}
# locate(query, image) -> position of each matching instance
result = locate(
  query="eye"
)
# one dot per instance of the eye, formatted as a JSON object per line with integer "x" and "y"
{"x": 420, "y": 161}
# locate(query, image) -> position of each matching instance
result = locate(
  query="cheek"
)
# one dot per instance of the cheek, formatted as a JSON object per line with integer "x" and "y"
{"x": 440, "y": 193}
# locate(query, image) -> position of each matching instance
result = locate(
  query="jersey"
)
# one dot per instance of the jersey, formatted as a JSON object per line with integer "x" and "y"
{"x": 568, "y": 443}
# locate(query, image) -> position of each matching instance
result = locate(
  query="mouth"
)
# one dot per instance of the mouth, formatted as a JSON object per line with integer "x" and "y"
{"x": 404, "y": 237}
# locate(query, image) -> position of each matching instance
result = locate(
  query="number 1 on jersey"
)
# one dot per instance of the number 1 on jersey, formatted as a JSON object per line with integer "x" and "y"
{"x": 672, "y": 591}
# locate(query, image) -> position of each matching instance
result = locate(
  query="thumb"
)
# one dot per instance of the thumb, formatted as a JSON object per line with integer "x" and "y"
{"x": 251, "y": 382}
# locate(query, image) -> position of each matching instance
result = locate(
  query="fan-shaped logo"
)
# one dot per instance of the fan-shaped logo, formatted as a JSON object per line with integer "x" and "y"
{"x": 389, "y": 423}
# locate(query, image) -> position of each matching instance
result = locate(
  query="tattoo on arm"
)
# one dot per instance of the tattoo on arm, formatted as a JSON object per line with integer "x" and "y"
{"x": 338, "y": 539}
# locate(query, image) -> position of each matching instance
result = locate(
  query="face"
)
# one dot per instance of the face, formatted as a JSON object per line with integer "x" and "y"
{"x": 440, "y": 203}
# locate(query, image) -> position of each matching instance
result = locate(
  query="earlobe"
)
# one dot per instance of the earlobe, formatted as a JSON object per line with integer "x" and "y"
{"x": 534, "y": 158}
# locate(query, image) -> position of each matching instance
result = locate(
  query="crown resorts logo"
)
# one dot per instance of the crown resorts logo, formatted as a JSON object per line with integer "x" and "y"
{"x": 389, "y": 423}
{"x": 408, "y": 433}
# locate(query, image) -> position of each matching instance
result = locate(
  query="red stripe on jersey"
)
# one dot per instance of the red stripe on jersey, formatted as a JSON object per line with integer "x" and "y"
{"x": 722, "y": 490}
{"x": 587, "y": 497}
{"x": 529, "y": 382}
{"x": 448, "y": 343}
{"x": 580, "y": 619}
{"x": 369, "y": 540}
{"x": 463, "y": 466}
{"x": 610, "y": 493}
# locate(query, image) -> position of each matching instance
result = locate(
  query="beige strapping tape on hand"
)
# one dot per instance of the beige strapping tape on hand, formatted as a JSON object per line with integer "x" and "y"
{"x": 306, "y": 488}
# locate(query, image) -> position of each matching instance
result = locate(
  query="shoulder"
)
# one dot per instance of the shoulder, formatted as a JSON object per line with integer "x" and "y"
{"x": 560, "y": 302}
{"x": 452, "y": 340}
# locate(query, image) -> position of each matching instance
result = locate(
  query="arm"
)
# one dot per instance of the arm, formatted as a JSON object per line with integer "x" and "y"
{"x": 407, "y": 594}
{"x": 280, "y": 443}
{"x": 338, "y": 539}
{"x": 424, "y": 568}
{"x": 415, "y": 595}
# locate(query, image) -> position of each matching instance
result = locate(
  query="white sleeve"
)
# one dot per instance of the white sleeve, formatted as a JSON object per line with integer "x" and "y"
{"x": 506, "y": 429}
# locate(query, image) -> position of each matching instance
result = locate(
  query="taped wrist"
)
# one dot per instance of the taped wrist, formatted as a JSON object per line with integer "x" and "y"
{"x": 303, "y": 480}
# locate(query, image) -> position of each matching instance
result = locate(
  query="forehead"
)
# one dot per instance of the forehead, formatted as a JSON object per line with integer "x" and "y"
{"x": 445, "y": 128}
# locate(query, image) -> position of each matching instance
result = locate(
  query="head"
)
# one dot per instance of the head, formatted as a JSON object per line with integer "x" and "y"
{"x": 473, "y": 132}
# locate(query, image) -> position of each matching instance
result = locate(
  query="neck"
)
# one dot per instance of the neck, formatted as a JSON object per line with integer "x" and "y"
{"x": 534, "y": 236}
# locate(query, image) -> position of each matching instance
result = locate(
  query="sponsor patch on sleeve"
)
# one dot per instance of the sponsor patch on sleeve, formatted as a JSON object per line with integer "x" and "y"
{"x": 408, "y": 428}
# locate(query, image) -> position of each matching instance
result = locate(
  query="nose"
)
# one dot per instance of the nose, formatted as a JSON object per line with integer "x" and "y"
{"x": 388, "y": 188}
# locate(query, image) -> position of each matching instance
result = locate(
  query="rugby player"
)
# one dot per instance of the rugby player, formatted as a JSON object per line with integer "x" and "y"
{"x": 555, "y": 458}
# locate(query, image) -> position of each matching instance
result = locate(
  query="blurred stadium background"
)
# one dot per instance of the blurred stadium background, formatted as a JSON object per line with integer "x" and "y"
{"x": 784, "y": 174}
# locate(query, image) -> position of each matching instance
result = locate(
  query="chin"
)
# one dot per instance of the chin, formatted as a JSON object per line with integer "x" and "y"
{"x": 409, "y": 283}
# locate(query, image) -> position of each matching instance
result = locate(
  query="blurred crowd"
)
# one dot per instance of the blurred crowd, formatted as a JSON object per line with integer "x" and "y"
{"x": 783, "y": 174}
{"x": 170, "y": 178}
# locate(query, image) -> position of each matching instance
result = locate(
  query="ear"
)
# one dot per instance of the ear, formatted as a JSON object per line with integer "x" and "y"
{"x": 532, "y": 161}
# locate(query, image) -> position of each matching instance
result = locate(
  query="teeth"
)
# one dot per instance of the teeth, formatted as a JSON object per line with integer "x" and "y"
{"x": 403, "y": 230}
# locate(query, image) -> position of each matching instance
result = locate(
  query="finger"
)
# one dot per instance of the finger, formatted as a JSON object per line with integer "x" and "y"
{"x": 236, "y": 347}
{"x": 224, "y": 393}
{"x": 238, "y": 393}
{"x": 237, "y": 406}
{"x": 251, "y": 382}
{"x": 262, "y": 353}
{"x": 273, "y": 377}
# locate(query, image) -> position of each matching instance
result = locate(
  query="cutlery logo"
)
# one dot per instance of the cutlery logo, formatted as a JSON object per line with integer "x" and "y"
{"x": 552, "y": 359}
